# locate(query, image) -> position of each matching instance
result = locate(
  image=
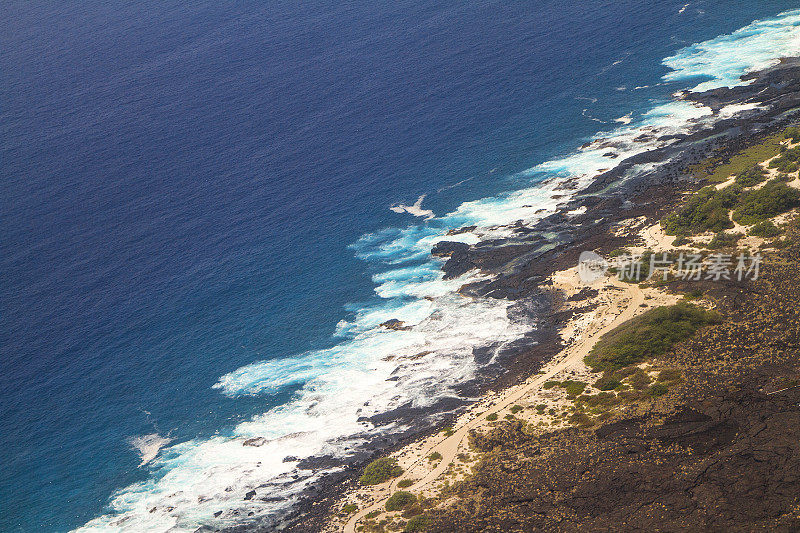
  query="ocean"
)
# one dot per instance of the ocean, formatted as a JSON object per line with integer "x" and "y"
{"x": 209, "y": 209}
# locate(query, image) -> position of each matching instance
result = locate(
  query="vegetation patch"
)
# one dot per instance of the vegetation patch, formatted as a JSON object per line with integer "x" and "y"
{"x": 787, "y": 161}
{"x": 723, "y": 239}
{"x": 752, "y": 176}
{"x": 573, "y": 388}
{"x": 706, "y": 210}
{"x": 416, "y": 524}
{"x": 400, "y": 500}
{"x": 648, "y": 335}
{"x": 607, "y": 383}
{"x": 658, "y": 389}
{"x": 380, "y": 470}
{"x": 716, "y": 169}
{"x": 769, "y": 201}
{"x": 403, "y": 483}
{"x": 435, "y": 456}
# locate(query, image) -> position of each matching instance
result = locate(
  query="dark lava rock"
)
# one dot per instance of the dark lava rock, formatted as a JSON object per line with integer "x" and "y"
{"x": 395, "y": 324}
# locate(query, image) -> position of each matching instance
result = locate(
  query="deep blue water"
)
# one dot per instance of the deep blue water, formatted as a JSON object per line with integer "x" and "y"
{"x": 180, "y": 185}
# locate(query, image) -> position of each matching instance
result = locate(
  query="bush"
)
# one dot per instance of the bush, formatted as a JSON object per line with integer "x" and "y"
{"x": 752, "y": 176}
{"x": 723, "y": 240}
{"x": 416, "y": 524}
{"x": 694, "y": 294}
{"x": 648, "y": 335}
{"x": 400, "y": 500}
{"x": 380, "y": 470}
{"x": 403, "y": 483}
{"x": 658, "y": 389}
{"x": 581, "y": 419}
{"x": 435, "y": 456}
{"x": 680, "y": 240}
{"x": 765, "y": 229}
{"x": 792, "y": 133}
{"x": 706, "y": 210}
{"x": 787, "y": 161}
{"x": 603, "y": 399}
{"x": 551, "y": 384}
{"x": 607, "y": 383}
{"x": 350, "y": 508}
{"x": 669, "y": 375}
{"x": 412, "y": 510}
{"x": 515, "y": 409}
{"x": 492, "y": 417}
{"x": 574, "y": 388}
{"x": 770, "y": 200}
{"x": 640, "y": 379}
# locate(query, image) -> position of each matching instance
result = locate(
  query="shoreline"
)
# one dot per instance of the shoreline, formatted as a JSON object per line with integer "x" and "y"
{"x": 657, "y": 199}
{"x": 616, "y": 303}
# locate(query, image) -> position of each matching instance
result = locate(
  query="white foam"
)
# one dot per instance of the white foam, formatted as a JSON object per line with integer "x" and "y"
{"x": 724, "y": 59}
{"x": 415, "y": 209}
{"x": 148, "y": 446}
{"x": 372, "y": 369}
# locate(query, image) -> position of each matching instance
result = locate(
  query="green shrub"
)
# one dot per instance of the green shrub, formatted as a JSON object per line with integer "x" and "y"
{"x": 623, "y": 373}
{"x": 603, "y": 399}
{"x": 416, "y": 524}
{"x": 752, "y": 176}
{"x": 658, "y": 389}
{"x": 680, "y": 240}
{"x": 515, "y": 409}
{"x": 492, "y": 417}
{"x": 380, "y": 470}
{"x": 412, "y": 510}
{"x": 581, "y": 419}
{"x": 400, "y": 500}
{"x": 574, "y": 388}
{"x": 770, "y": 200}
{"x": 786, "y": 161}
{"x": 435, "y": 456}
{"x": 723, "y": 240}
{"x": 648, "y": 335}
{"x": 632, "y": 395}
{"x": 706, "y": 210}
{"x": 669, "y": 375}
{"x": 551, "y": 384}
{"x": 640, "y": 379}
{"x": 403, "y": 483}
{"x": 372, "y": 514}
{"x": 607, "y": 383}
{"x": 792, "y": 133}
{"x": 350, "y": 508}
{"x": 765, "y": 229}
{"x": 694, "y": 294}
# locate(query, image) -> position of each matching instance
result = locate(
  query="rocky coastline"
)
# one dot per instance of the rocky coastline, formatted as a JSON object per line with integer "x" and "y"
{"x": 521, "y": 266}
